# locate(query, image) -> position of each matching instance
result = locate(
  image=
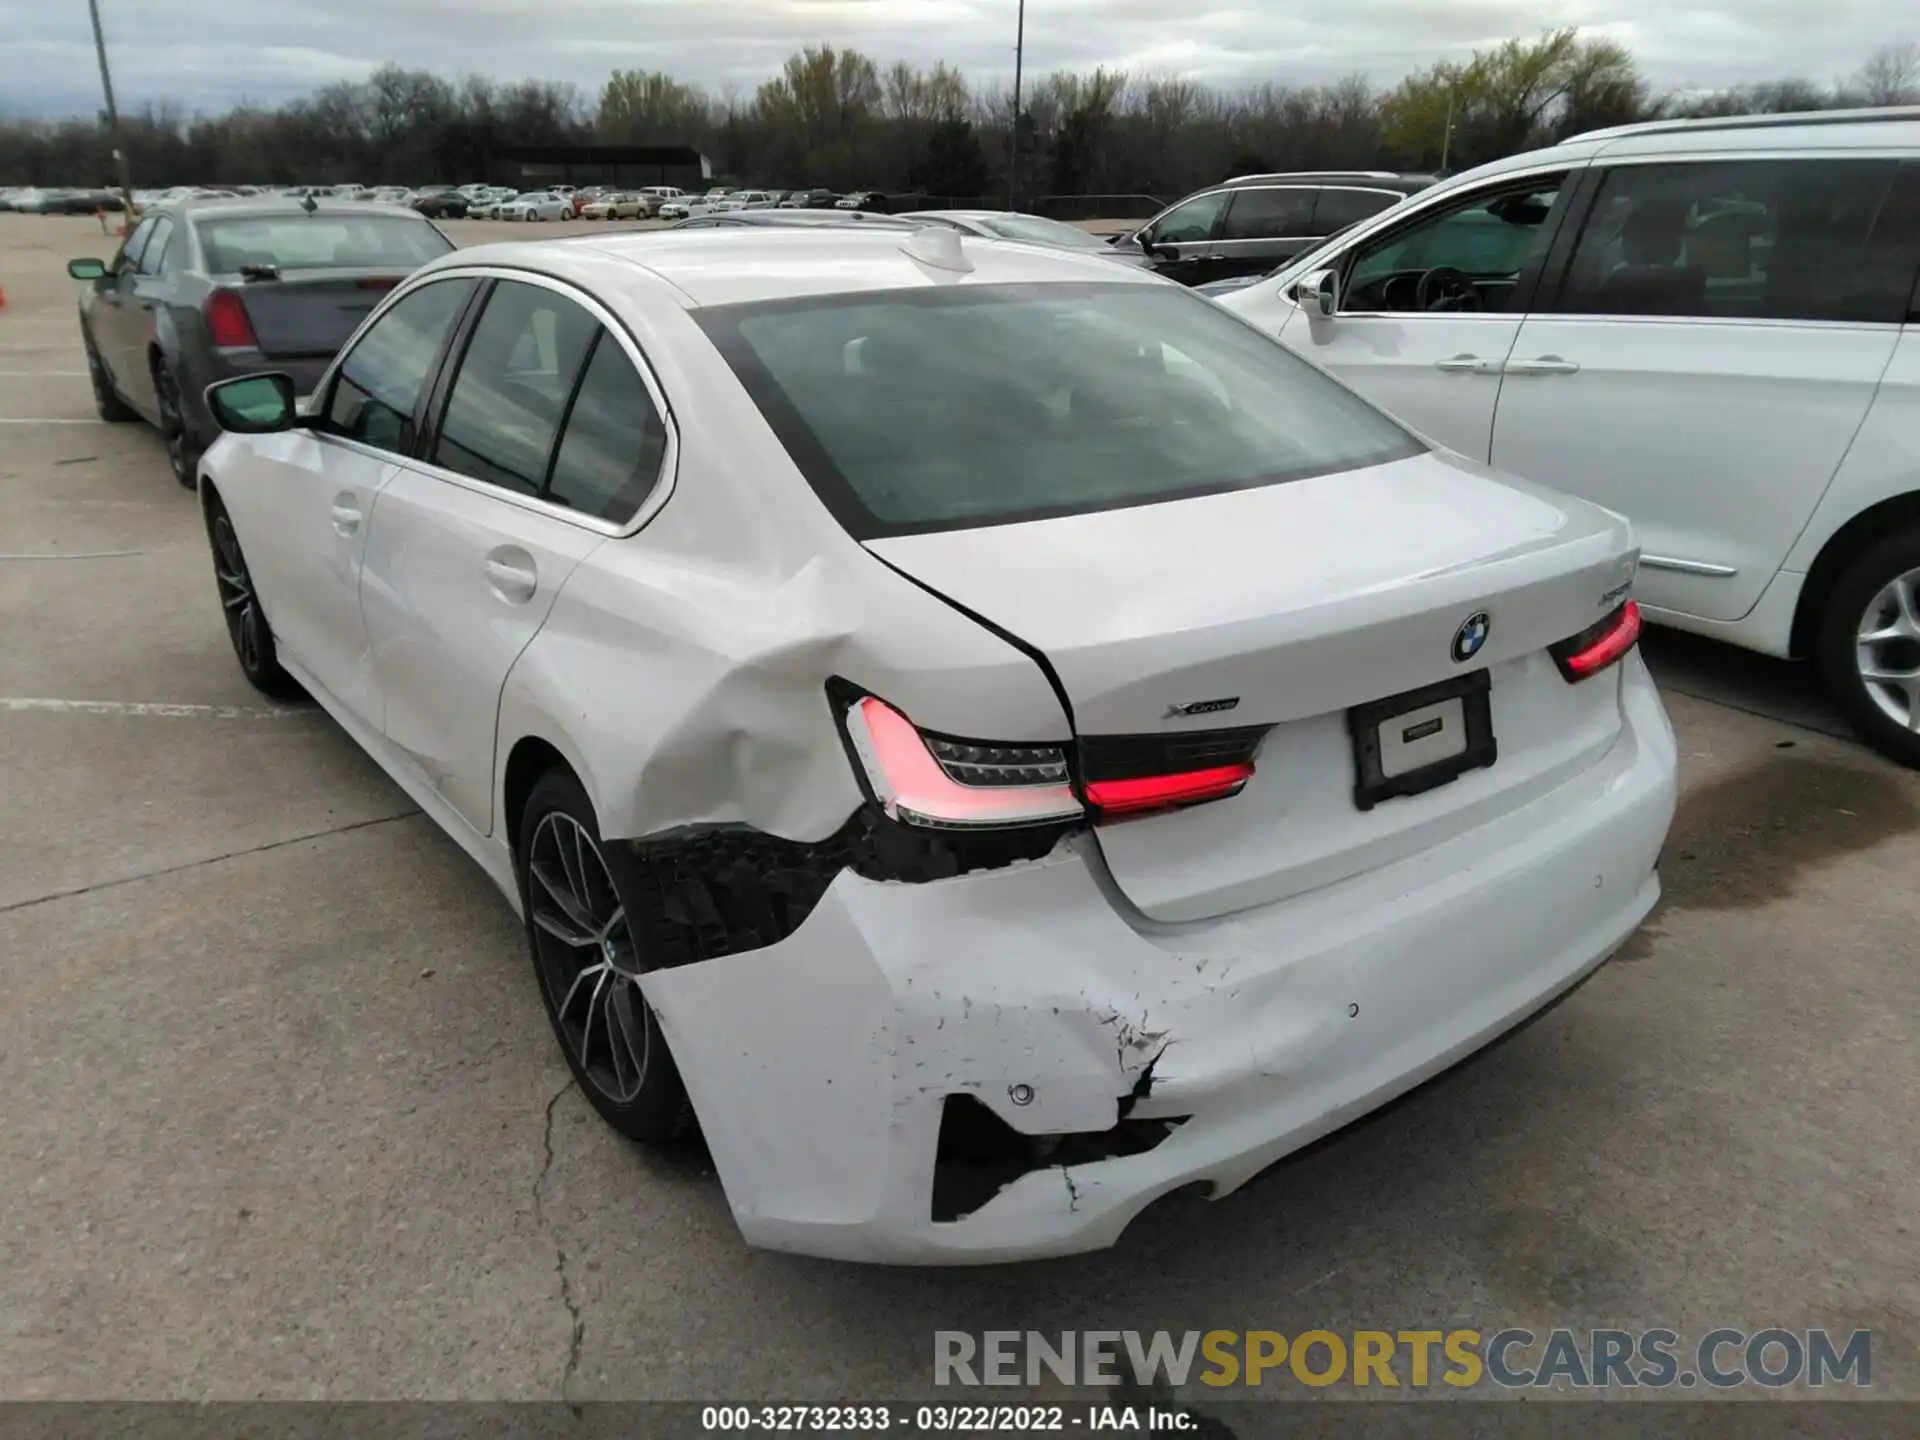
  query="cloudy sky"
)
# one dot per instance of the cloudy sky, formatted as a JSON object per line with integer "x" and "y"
{"x": 207, "y": 54}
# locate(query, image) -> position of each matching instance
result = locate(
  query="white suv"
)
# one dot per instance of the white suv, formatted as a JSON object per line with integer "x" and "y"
{"x": 1709, "y": 326}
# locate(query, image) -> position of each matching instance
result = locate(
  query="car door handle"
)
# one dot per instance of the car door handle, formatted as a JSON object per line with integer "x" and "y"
{"x": 1544, "y": 365}
{"x": 346, "y": 515}
{"x": 511, "y": 574}
{"x": 1468, "y": 365}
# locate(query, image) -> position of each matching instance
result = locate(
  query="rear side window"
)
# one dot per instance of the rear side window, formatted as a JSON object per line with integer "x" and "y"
{"x": 1741, "y": 239}
{"x": 610, "y": 453}
{"x": 1269, "y": 215}
{"x": 921, "y": 410}
{"x": 129, "y": 257}
{"x": 378, "y": 384}
{"x": 158, "y": 243}
{"x": 1340, "y": 208}
{"x": 511, "y": 392}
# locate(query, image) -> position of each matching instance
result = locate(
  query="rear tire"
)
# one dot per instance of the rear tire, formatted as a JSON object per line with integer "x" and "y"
{"x": 247, "y": 625}
{"x": 106, "y": 400}
{"x": 594, "y": 924}
{"x": 183, "y": 455}
{"x": 1868, "y": 647}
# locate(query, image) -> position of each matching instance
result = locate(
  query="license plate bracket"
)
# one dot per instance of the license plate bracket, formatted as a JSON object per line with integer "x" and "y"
{"x": 1410, "y": 743}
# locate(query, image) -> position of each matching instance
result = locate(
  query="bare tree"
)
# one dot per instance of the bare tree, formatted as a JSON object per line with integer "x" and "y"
{"x": 1891, "y": 76}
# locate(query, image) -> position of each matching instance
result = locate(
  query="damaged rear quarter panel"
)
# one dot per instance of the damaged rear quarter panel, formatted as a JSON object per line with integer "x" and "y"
{"x": 684, "y": 667}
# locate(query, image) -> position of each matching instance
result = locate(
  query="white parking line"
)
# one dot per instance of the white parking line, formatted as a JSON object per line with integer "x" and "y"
{"x": 150, "y": 708}
{"x": 77, "y": 555}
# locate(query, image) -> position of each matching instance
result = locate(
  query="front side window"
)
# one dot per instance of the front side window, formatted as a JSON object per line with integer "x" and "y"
{"x": 379, "y": 382}
{"x": 1740, "y": 239}
{"x": 1189, "y": 223}
{"x": 923, "y": 410}
{"x": 1463, "y": 257}
{"x": 1269, "y": 214}
{"x": 510, "y": 395}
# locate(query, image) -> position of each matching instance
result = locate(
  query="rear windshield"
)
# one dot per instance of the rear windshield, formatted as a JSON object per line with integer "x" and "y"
{"x": 921, "y": 410}
{"x": 312, "y": 242}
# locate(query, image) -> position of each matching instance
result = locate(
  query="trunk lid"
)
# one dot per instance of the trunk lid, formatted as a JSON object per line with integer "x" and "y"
{"x": 310, "y": 313}
{"x": 1299, "y": 602}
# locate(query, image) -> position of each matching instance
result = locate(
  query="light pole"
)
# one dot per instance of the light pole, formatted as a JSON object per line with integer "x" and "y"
{"x": 113, "y": 114}
{"x": 1013, "y": 148}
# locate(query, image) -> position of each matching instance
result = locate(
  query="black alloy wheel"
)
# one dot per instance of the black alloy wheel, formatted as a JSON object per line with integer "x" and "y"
{"x": 589, "y": 948}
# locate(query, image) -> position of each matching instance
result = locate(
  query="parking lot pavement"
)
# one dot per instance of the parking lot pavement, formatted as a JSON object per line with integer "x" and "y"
{"x": 285, "y": 1119}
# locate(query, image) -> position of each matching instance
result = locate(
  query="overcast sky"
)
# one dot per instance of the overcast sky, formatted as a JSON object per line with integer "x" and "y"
{"x": 206, "y": 54}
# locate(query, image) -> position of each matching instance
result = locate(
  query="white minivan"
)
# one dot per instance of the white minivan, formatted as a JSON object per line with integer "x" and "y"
{"x": 1711, "y": 327}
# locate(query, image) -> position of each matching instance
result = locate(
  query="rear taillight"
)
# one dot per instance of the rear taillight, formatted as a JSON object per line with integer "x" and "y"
{"x": 957, "y": 784}
{"x": 1159, "y": 792}
{"x": 1599, "y": 645}
{"x": 227, "y": 322}
{"x": 381, "y": 283}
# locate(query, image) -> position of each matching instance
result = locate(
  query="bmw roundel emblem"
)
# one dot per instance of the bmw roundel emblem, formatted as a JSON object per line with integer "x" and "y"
{"x": 1471, "y": 635}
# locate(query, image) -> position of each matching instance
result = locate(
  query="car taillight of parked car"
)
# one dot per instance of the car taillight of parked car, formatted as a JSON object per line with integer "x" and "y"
{"x": 228, "y": 324}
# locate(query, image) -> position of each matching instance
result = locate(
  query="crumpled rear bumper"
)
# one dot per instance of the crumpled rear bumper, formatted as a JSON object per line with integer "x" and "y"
{"x": 820, "y": 1066}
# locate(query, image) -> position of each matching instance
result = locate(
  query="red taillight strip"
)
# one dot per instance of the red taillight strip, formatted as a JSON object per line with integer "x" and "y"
{"x": 911, "y": 785}
{"x": 1592, "y": 651}
{"x": 1157, "y": 792}
{"x": 228, "y": 325}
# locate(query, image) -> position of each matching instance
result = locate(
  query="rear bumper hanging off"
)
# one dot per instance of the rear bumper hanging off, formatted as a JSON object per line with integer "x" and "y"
{"x": 1136, "y": 1058}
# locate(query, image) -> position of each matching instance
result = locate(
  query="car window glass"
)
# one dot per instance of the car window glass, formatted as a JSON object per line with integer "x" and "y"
{"x": 939, "y": 409}
{"x": 507, "y": 400}
{"x": 610, "y": 453}
{"x": 158, "y": 242}
{"x": 129, "y": 256}
{"x": 1264, "y": 214}
{"x": 319, "y": 241}
{"x": 1340, "y": 208}
{"x": 1752, "y": 239}
{"x": 379, "y": 382}
{"x": 1488, "y": 239}
{"x": 1190, "y": 222}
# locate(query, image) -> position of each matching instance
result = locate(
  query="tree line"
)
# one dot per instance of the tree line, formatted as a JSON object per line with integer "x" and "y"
{"x": 838, "y": 118}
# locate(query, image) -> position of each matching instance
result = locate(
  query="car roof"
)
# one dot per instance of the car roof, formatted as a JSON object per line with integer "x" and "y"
{"x": 1818, "y": 125}
{"x": 731, "y": 265}
{"x": 248, "y": 207}
{"x": 798, "y": 219}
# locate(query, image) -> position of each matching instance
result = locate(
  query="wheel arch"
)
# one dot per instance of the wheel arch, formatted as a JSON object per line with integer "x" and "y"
{"x": 1839, "y": 552}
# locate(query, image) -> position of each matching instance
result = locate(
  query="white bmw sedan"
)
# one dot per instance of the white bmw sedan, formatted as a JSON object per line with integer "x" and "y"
{"x": 991, "y": 736}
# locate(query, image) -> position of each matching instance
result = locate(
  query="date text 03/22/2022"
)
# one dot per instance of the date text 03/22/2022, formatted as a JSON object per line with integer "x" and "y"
{"x": 943, "y": 1419}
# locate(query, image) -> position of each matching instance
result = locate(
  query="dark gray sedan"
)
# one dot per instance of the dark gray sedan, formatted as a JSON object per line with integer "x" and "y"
{"x": 204, "y": 290}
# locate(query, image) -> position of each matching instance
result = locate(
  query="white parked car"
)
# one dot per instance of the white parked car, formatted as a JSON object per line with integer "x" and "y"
{"x": 749, "y": 200}
{"x": 686, "y": 207}
{"x": 535, "y": 205}
{"x": 1708, "y": 326}
{"x": 1057, "y": 750}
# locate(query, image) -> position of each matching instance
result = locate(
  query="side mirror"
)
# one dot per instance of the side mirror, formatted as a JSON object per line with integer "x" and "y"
{"x": 1319, "y": 293}
{"x": 254, "y": 404}
{"x": 1144, "y": 239}
{"x": 87, "y": 269}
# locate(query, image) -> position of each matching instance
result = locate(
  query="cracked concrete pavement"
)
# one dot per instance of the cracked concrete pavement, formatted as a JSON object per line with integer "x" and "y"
{"x": 285, "y": 1119}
